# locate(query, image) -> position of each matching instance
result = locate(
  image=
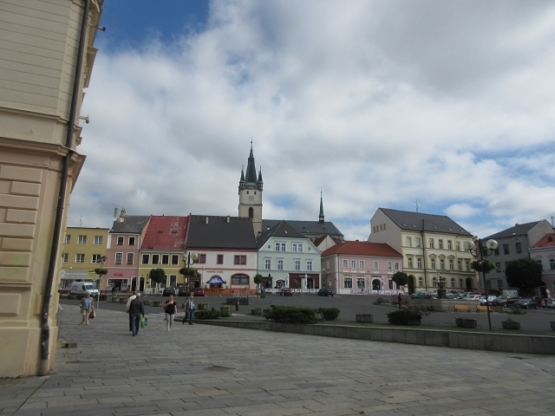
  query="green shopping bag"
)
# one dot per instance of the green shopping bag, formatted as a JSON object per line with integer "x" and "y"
{"x": 144, "y": 322}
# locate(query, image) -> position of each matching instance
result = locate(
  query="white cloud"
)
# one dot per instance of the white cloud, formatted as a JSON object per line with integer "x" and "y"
{"x": 378, "y": 104}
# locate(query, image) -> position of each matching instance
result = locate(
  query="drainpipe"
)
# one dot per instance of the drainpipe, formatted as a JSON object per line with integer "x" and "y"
{"x": 45, "y": 329}
{"x": 424, "y": 257}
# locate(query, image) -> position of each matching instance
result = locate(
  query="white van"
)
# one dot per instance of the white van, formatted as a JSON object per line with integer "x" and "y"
{"x": 81, "y": 288}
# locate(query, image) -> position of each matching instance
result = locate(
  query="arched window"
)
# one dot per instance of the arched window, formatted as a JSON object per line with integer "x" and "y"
{"x": 376, "y": 284}
{"x": 420, "y": 282}
{"x": 239, "y": 279}
{"x": 453, "y": 283}
{"x": 461, "y": 283}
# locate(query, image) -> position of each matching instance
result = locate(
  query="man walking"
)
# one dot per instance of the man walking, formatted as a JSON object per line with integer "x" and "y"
{"x": 136, "y": 310}
{"x": 189, "y": 309}
{"x": 133, "y": 296}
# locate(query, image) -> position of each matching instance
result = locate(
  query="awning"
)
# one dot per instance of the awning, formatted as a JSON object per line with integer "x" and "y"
{"x": 215, "y": 280}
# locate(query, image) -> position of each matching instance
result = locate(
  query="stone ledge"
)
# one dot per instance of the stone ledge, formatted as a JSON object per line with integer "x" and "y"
{"x": 513, "y": 343}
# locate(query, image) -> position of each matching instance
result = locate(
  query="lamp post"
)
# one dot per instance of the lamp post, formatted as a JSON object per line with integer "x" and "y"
{"x": 100, "y": 277}
{"x": 188, "y": 259}
{"x": 482, "y": 265}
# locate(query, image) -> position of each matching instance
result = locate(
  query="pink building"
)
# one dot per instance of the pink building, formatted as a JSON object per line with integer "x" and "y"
{"x": 361, "y": 268}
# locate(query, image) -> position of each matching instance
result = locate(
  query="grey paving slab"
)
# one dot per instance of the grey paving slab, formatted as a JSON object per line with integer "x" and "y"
{"x": 209, "y": 370}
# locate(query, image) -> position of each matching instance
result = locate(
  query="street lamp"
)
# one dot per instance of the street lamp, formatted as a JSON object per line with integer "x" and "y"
{"x": 482, "y": 265}
{"x": 188, "y": 259}
{"x": 100, "y": 277}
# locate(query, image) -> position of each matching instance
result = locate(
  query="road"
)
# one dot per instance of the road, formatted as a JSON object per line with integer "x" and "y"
{"x": 537, "y": 321}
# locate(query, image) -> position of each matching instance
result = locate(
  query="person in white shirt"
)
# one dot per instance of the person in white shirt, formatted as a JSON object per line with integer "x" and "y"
{"x": 189, "y": 309}
{"x": 133, "y": 296}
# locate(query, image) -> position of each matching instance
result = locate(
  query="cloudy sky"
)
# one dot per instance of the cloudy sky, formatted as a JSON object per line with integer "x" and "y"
{"x": 447, "y": 106}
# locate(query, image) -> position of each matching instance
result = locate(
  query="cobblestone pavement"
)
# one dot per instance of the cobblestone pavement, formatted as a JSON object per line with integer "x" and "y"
{"x": 209, "y": 370}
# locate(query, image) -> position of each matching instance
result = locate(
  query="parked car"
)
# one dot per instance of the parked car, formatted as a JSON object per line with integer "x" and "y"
{"x": 491, "y": 298}
{"x": 526, "y": 303}
{"x": 325, "y": 292}
{"x": 286, "y": 291}
{"x": 550, "y": 303}
{"x": 183, "y": 291}
{"x": 504, "y": 300}
{"x": 168, "y": 291}
{"x": 199, "y": 291}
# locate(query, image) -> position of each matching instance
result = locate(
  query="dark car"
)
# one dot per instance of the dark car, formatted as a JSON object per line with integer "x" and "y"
{"x": 183, "y": 291}
{"x": 526, "y": 303}
{"x": 504, "y": 300}
{"x": 550, "y": 303}
{"x": 285, "y": 291}
{"x": 199, "y": 291}
{"x": 168, "y": 291}
{"x": 325, "y": 292}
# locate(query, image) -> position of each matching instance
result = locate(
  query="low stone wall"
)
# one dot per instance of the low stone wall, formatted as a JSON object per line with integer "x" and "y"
{"x": 513, "y": 343}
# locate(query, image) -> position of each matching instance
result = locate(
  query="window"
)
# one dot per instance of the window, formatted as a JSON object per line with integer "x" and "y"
{"x": 361, "y": 265}
{"x": 496, "y": 251}
{"x": 79, "y": 258}
{"x": 280, "y": 264}
{"x": 345, "y": 264}
{"x": 175, "y": 259}
{"x": 389, "y": 266}
{"x": 309, "y": 265}
{"x": 497, "y": 266}
{"x": 360, "y": 283}
{"x": 173, "y": 280}
{"x": 165, "y": 259}
{"x": 297, "y": 265}
{"x": 202, "y": 258}
{"x": 419, "y": 262}
{"x": 376, "y": 267}
{"x": 552, "y": 264}
{"x": 353, "y": 264}
{"x": 67, "y": 239}
{"x": 451, "y": 265}
{"x": 431, "y": 243}
{"x": 434, "y": 282}
{"x": 120, "y": 241}
{"x": 540, "y": 263}
{"x": 467, "y": 263}
{"x": 409, "y": 262}
{"x": 396, "y": 266}
{"x": 433, "y": 263}
{"x": 282, "y": 247}
{"x": 241, "y": 260}
{"x": 442, "y": 264}
{"x": 459, "y": 266}
{"x": 155, "y": 259}
{"x": 461, "y": 283}
{"x": 220, "y": 259}
{"x": 518, "y": 247}
{"x": 145, "y": 258}
{"x": 277, "y": 246}
{"x": 457, "y": 247}
{"x": 130, "y": 258}
{"x": 267, "y": 264}
{"x": 440, "y": 244}
{"x": 348, "y": 283}
{"x": 131, "y": 241}
{"x": 96, "y": 258}
{"x": 449, "y": 245}
{"x": 409, "y": 242}
{"x": 65, "y": 257}
{"x": 417, "y": 242}
{"x": 82, "y": 239}
{"x": 240, "y": 279}
{"x": 420, "y": 282}
{"x": 299, "y": 247}
{"x": 294, "y": 247}
{"x": 118, "y": 258}
{"x": 453, "y": 283}
{"x": 506, "y": 249}
{"x": 97, "y": 240}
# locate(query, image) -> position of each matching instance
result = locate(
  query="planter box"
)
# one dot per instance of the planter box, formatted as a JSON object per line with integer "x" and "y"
{"x": 365, "y": 318}
{"x": 510, "y": 325}
{"x": 202, "y": 306}
{"x": 156, "y": 302}
{"x": 115, "y": 299}
{"x": 225, "y": 308}
{"x": 147, "y": 302}
{"x": 266, "y": 312}
{"x": 465, "y": 322}
{"x": 256, "y": 311}
{"x": 122, "y": 300}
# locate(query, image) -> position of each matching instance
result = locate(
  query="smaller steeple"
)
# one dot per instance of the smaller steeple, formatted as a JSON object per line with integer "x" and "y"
{"x": 321, "y": 216}
{"x": 242, "y": 174}
{"x": 260, "y": 181}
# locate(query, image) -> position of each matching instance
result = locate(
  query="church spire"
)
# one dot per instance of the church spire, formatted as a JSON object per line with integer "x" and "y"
{"x": 321, "y": 216}
{"x": 251, "y": 169}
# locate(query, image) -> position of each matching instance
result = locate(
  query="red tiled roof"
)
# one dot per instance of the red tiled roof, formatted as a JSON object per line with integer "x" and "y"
{"x": 362, "y": 248}
{"x": 547, "y": 240}
{"x": 165, "y": 233}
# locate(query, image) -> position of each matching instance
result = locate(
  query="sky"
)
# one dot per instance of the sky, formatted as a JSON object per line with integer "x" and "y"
{"x": 445, "y": 107}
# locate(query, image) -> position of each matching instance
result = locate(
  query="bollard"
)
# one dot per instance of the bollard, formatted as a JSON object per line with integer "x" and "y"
{"x": 237, "y": 305}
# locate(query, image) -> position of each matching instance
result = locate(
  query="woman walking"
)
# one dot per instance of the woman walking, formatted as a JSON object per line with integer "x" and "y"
{"x": 87, "y": 306}
{"x": 170, "y": 307}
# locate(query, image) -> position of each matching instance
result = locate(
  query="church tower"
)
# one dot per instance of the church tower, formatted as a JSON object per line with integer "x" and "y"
{"x": 250, "y": 195}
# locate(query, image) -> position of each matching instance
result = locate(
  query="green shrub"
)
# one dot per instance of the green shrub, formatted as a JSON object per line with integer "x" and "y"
{"x": 329, "y": 314}
{"x": 292, "y": 315}
{"x": 404, "y": 316}
{"x": 517, "y": 311}
{"x": 380, "y": 301}
{"x": 213, "y": 314}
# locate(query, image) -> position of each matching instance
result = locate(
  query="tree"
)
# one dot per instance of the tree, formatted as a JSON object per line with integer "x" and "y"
{"x": 257, "y": 278}
{"x": 401, "y": 278}
{"x": 158, "y": 276}
{"x": 524, "y": 274}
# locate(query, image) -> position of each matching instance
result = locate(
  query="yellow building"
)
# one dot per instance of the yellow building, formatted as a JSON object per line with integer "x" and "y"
{"x": 46, "y": 59}
{"x": 82, "y": 252}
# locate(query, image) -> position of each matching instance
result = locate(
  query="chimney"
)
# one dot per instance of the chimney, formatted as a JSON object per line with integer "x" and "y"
{"x": 206, "y": 220}
{"x": 115, "y": 214}
{"x": 228, "y": 219}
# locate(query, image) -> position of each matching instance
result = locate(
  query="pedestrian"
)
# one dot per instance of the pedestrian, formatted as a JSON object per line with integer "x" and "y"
{"x": 399, "y": 299}
{"x": 189, "y": 309}
{"x": 170, "y": 308}
{"x": 87, "y": 306}
{"x": 136, "y": 310}
{"x": 133, "y": 296}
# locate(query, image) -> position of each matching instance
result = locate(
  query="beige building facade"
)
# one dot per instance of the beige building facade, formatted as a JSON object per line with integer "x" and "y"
{"x": 45, "y": 62}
